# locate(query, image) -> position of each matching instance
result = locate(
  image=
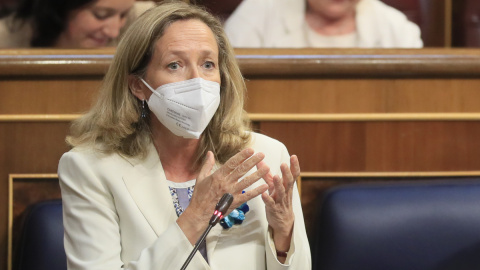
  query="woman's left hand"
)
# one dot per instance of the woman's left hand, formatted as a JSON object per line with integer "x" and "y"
{"x": 278, "y": 202}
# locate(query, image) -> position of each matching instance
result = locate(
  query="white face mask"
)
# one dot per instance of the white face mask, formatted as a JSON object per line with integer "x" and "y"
{"x": 185, "y": 107}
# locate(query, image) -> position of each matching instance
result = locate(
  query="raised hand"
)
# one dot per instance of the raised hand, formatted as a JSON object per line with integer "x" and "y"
{"x": 278, "y": 202}
{"x": 210, "y": 187}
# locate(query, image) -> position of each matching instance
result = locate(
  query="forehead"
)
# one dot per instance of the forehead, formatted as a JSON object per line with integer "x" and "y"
{"x": 334, "y": 2}
{"x": 114, "y": 4}
{"x": 191, "y": 34}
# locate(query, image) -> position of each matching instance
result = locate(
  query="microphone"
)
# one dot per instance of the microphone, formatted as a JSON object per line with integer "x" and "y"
{"x": 220, "y": 209}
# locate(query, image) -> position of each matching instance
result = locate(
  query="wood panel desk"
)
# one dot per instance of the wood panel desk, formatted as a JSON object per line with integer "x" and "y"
{"x": 350, "y": 115}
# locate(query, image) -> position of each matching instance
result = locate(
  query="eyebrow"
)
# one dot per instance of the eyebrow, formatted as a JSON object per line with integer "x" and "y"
{"x": 181, "y": 52}
{"x": 110, "y": 10}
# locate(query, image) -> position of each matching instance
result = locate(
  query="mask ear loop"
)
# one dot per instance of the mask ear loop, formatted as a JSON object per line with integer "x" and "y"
{"x": 144, "y": 111}
{"x": 147, "y": 85}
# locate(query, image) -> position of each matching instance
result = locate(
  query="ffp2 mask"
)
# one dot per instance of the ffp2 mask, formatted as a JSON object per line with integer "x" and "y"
{"x": 185, "y": 107}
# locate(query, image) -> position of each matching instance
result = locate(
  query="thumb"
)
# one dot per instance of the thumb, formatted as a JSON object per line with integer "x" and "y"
{"x": 207, "y": 166}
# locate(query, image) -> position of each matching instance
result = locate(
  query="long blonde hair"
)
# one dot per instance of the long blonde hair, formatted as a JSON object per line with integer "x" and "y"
{"x": 114, "y": 124}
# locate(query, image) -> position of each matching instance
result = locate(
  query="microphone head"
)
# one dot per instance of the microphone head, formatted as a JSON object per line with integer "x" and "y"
{"x": 221, "y": 207}
{"x": 224, "y": 203}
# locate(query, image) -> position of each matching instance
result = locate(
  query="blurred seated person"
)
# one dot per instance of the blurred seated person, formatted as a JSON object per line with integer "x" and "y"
{"x": 68, "y": 23}
{"x": 320, "y": 24}
{"x": 168, "y": 136}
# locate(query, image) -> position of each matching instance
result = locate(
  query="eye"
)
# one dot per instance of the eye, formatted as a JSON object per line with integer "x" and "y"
{"x": 101, "y": 14}
{"x": 174, "y": 65}
{"x": 209, "y": 65}
{"x": 124, "y": 14}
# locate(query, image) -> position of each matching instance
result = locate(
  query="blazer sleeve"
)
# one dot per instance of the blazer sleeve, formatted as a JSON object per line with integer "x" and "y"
{"x": 395, "y": 25}
{"x": 412, "y": 35}
{"x": 298, "y": 257}
{"x": 92, "y": 231}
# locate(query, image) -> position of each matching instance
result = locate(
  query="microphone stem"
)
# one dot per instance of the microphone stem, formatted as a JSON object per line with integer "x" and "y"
{"x": 197, "y": 245}
{"x": 221, "y": 207}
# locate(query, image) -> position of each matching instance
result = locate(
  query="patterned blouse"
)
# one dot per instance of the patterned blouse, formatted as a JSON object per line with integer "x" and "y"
{"x": 181, "y": 195}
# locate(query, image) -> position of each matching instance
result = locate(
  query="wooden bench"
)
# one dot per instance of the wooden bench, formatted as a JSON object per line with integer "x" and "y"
{"x": 350, "y": 115}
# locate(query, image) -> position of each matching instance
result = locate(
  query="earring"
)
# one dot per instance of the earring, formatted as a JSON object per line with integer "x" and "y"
{"x": 144, "y": 112}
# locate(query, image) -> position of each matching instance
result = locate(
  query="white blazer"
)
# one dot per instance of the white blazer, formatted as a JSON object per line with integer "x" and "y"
{"x": 281, "y": 24}
{"x": 118, "y": 214}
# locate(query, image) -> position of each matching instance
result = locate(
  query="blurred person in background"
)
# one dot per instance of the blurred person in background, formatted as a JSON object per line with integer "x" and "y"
{"x": 68, "y": 23}
{"x": 320, "y": 24}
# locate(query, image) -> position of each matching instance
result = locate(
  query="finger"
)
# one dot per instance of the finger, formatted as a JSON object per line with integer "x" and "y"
{"x": 294, "y": 166}
{"x": 287, "y": 176}
{"x": 267, "y": 177}
{"x": 268, "y": 200}
{"x": 252, "y": 178}
{"x": 250, "y": 194}
{"x": 245, "y": 166}
{"x": 279, "y": 188}
{"x": 207, "y": 166}
{"x": 235, "y": 161}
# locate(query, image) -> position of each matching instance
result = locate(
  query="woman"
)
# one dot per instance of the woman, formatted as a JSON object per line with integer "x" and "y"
{"x": 68, "y": 24}
{"x": 321, "y": 24}
{"x": 169, "y": 131}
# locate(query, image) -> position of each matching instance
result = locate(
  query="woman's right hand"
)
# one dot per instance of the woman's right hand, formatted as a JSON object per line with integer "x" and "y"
{"x": 210, "y": 187}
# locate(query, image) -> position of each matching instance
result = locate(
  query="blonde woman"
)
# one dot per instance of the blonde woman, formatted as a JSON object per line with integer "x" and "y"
{"x": 169, "y": 131}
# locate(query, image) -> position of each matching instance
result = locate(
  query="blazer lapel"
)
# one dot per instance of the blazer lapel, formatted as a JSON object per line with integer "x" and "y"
{"x": 147, "y": 186}
{"x": 212, "y": 238}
